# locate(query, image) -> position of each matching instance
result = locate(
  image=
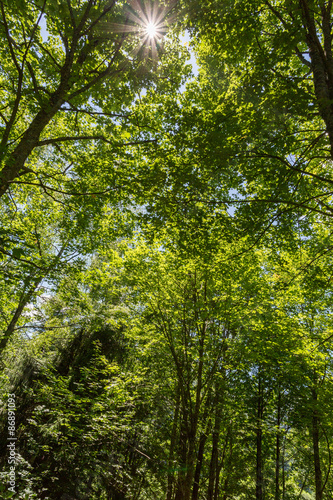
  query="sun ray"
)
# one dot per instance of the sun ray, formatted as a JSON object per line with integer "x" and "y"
{"x": 147, "y": 20}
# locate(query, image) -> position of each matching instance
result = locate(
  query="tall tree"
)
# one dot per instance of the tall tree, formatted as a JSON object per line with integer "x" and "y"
{"x": 68, "y": 83}
{"x": 71, "y": 73}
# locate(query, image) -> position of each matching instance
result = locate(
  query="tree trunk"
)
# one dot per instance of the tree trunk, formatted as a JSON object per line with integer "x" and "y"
{"x": 259, "y": 462}
{"x": 229, "y": 437}
{"x": 172, "y": 446}
{"x": 25, "y": 299}
{"x": 277, "y": 456}
{"x": 219, "y": 468}
{"x": 181, "y": 479}
{"x": 190, "y": 465}
{"x": 213, "y": 468}
{"x": 15, "y": 164}
{"x": 316, "y": 452}
{"x": 202, "y": 442}
{"x": 321, "y": 63}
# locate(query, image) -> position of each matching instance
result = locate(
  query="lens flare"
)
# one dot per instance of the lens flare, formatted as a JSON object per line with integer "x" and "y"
{"x": 151, "y": 30}
{"x": 148, "y": 21}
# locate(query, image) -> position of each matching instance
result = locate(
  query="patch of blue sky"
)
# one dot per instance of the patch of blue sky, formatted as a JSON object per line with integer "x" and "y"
{"x": 43, "y": 29}
{"x": 186, "y": 40}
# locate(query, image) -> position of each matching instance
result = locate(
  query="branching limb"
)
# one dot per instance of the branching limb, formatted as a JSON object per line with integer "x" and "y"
{"x": 55, "y": 140}
{"x": 18, "y": 90}
{"x": 67, "y": 193}
{"x": 302, "y": 58}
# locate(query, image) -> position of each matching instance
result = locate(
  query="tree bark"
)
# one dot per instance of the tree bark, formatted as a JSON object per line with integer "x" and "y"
{"x": 197, "y": 472}
{"x": 229, "y": 437}
{"x": 213, "y": 467}
{"x": 14, "y": 166}
{"x": 316, "y": 451}
{"x": 277, "y": 456}
{"x": 172, "y": 446}
{"x": 181, "y": 480}
{"x": 259, "y": 459}
{"x": 321, "y": 64}
{"x": 283, "y": 471}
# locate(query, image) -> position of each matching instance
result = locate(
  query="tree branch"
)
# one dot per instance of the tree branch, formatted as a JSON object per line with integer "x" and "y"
{"x": 55, "y": 140}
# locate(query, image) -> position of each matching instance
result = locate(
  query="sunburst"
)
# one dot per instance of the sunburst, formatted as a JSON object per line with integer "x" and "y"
{"x": 150, "y": 18}
{"x": 147, "y": 21}
{"x": 151, "y": 30}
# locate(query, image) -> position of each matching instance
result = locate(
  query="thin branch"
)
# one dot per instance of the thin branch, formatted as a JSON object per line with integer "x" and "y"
{"x": 33, "y": 34}
{"x": 105, "y": 11}
{"x": 9, "y": 39}
{"x": 50, "y": 55}
{"x": 271, "y": 200}
{"x": 292, "y": 167}
{"x": 18, "y": 91}
{"x": 78, "y": 29}
{"x": 277, "y": 14}
{"x": 308, "y": 264}
{"x": 103, "y": 74}
{"x": 34, "y": 82}
{"x": 3, "y": 251}
{"x": 302, "y": 58}
{"x": 73, "y": 109}
{"x": 3, "y": 118}
{"x": 322, "y": 342}
{"x": 55, "y": 140}
{"x": 71, "y": 13}
{"x": 59, "y": 191}
{"x": 46, "y": 327}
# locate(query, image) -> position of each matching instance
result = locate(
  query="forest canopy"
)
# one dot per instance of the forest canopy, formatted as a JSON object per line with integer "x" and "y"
{"x": 166, "y": 249}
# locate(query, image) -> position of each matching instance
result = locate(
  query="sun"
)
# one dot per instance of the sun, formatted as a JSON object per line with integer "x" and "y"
{"x": 148, "y": 21}
{"x": 151, "y": 21}
{"x": 151, "y": 30}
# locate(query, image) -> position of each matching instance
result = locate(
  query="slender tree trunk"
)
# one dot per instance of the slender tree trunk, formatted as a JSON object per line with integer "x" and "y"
{"x": 213, "y": 468}
{"x": 190, "y": 463}
{"x": 226, "y": 481}
{"x": 283, "y": 472}
{"x": 259, "y": 464}
{"x": 220, "y": 464}
{"x": 217, "y": 482}
{"x": 172, "y": 446}
{"x": 25, "y": 299}
{"x": 180, "y": 488}
{"x": 192, "y": 437}
{"x": 316, "y": 451}
{"x": 202, "y": 442}
{"x": 277, "y": 456}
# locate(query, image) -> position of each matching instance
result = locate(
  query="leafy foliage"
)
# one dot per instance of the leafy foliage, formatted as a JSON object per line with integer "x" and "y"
{"x": 165, "y": 247}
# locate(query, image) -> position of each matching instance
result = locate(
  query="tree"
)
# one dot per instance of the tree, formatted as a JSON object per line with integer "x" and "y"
{"x": 78, "y": 353}
{"x": 264, "y": 109}
{"x": 56, "y": 87}
{"x": 70, "y": 77}
{"x": 191, "y": 310}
